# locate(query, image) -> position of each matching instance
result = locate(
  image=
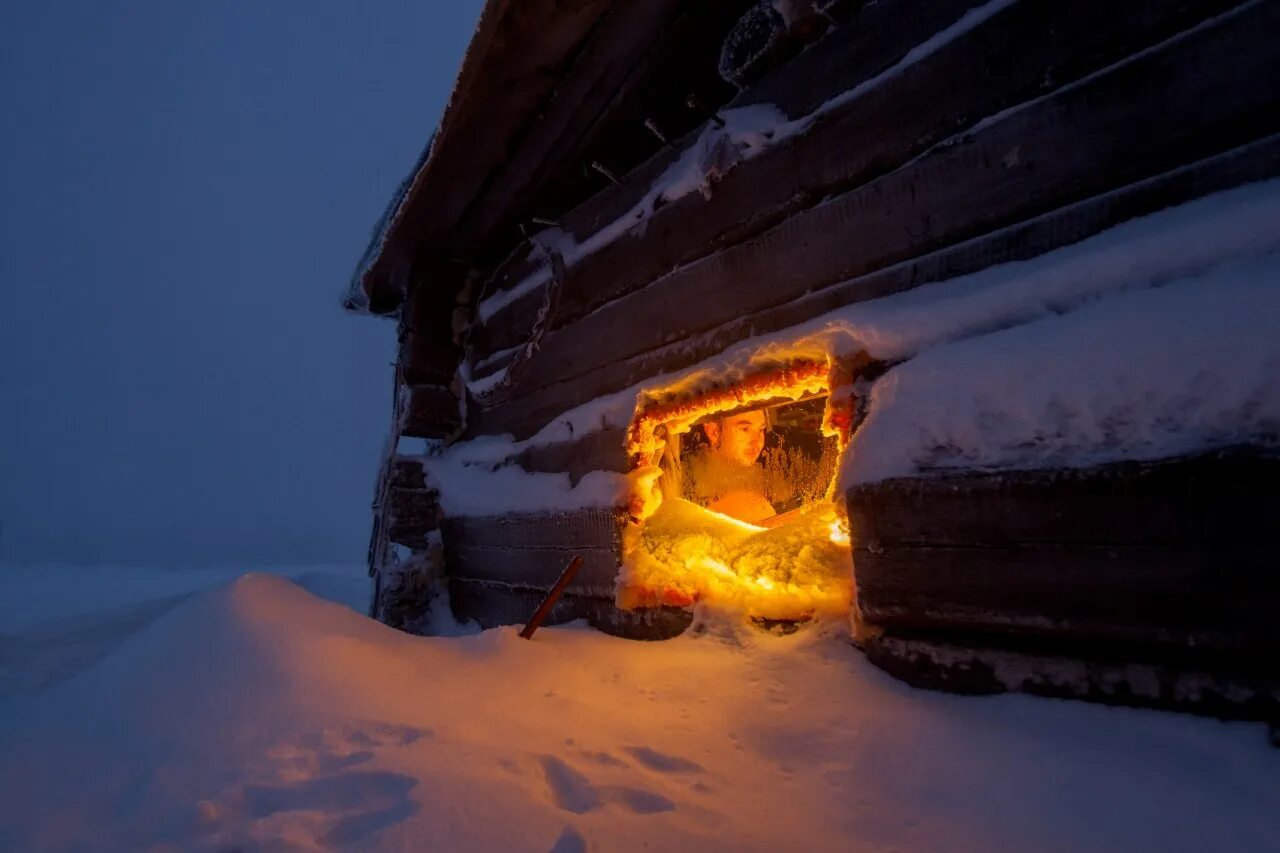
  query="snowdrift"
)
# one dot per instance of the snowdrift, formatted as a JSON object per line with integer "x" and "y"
{"x": 256, "y": 716}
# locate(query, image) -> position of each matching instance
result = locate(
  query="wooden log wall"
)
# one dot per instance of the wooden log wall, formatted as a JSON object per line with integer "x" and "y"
{"x": 532, "y": 551}
{"x": 1150, "y": 584}
{"x": 1173, "y": 555}
{"x": 984, "y": 151}
{"x": 1042, "y": 125}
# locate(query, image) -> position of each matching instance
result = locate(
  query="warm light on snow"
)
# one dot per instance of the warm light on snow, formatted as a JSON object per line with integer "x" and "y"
{"x": 257, "y": 717}
{"x": 685, "y": 553}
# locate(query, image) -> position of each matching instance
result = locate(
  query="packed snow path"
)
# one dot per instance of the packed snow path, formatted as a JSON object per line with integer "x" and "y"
{"x": 256, "y": 716}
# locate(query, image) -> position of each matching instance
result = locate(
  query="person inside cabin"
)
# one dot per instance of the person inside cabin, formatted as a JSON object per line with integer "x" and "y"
{"x": 725, "y": 476}
{"x": 756, "y": 466}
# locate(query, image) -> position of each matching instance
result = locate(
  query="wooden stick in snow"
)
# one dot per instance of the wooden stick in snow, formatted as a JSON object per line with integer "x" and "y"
{"x": 552, "y": 597}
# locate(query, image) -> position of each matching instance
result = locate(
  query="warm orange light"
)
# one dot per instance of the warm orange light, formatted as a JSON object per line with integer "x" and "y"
{"x": 677, "y": 553}
{"x": 686, "y": 553}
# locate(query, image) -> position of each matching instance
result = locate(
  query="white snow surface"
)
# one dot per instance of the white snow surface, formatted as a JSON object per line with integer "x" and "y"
{"x": 255, "y": 716}
{"x": 470, "y": 483}
{"x": 1146, "y": 374}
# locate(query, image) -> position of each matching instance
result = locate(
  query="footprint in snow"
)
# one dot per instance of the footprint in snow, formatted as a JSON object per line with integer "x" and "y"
{"x": 663, "y": 763}
{"x": 574, "y": 792}
{"x": 570, "y": 841}
{"x": 357, "y": 804}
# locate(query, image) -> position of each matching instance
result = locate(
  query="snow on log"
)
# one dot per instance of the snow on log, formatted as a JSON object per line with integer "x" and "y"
{"x": 939, "y": 297}
{"x": 1076, "y": 143}
{"x": 1148, "y": 374}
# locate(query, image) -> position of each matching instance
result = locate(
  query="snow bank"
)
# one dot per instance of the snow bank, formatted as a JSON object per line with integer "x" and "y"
{"x": 477, "y": 486}
{"x": 1156, "y": 373}
{"x": 685, "y": 554}
{"x": 257, "y": 717}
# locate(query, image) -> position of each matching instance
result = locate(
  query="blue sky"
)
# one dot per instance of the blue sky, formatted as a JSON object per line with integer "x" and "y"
{"x": 185, "y": 189}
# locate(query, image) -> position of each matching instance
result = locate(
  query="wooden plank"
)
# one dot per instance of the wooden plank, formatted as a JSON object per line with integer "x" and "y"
{"x": 432, "y": 412}
{"x": 1067, "y": 225}
{"x": 411, "y": 515}
{"x": 843, "y": 59}
{"x": 1208, "y": 597}
{"x": 1185, "y": 557}
{"x": 407, "y": 473}
{"x": 588, "y": 528}
{"x": 492, "y": 604}
{"x": 1217, "y": 499}
{"x": 889, "y": 30}
{"x": 1214, "y": 89}
{"x": 533, "y": 567}
{"x": 532, "y": 549}
{"x": 428, "y": 360}
{"x": 1173, "y": 679}
{"x": 602, "y": 450}
{"x": 612, "y": 60}
{"x": 880, "y": 36}
{"x": 1024, "y": 51}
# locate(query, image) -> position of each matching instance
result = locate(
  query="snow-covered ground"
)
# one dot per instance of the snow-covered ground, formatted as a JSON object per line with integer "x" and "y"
{"x": 255, "y": 715}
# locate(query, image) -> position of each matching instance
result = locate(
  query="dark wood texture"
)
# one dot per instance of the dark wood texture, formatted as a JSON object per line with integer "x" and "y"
{"x": 494, "y": 604}
{"x": 1027, "y": 239}
{"x": 1081, "y": 141}
{"x": 432, "y": 412}
{"x": 411, "y": 514}
{"x": 428, "y": 360}
{"x": 1026, "y": 50}
{"x": 505, "y": 80}
{"x": 1170, "y": 554}
{"x": 958, "y": 663}
{"x": 611, "y": 62}
{"x": 407, "y": 473}
{"x": 531, "y": 550}
{"x": 553, "y": 595}
{"x": 602, "y": 450}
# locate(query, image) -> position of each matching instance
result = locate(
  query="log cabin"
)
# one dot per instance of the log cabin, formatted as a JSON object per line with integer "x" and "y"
{"x": 988, "y": 282}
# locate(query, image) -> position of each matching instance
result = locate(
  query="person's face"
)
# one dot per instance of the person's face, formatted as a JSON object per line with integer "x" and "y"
{"x": 739, "y": 438}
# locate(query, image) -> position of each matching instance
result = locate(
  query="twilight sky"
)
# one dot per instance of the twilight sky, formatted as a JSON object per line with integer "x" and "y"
{"x": 184, "y": 191}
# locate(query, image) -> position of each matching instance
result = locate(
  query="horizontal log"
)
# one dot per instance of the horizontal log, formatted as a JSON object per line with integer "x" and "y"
{"x": 533, "y": 567}
{"x": 428, "y": 360}
{"x": 862, "y": 49}
{"x": 602, "y": 450}
{"x": 407, "y": 473}
{"x": 492, "y": 604}
{"x": 589, "y": 528}
{"x": 1049, "y": 231}
{"x": 1161, "y": 554}
{"x": 1207, "y": 597}
{"x": 612, "y": 61}
{"x": 881, "y": 35}
{"x": 1222, "y": 499}
{"x": 1025, "y": 50}
{"x": 411, "y": 515}
{"x": 532, "y": 550}
{"x": 1196, "y": 95}
{"x": 432, "y": 412}
{"x": 843, "y": 59}
{"x": 1173, "y": 680}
